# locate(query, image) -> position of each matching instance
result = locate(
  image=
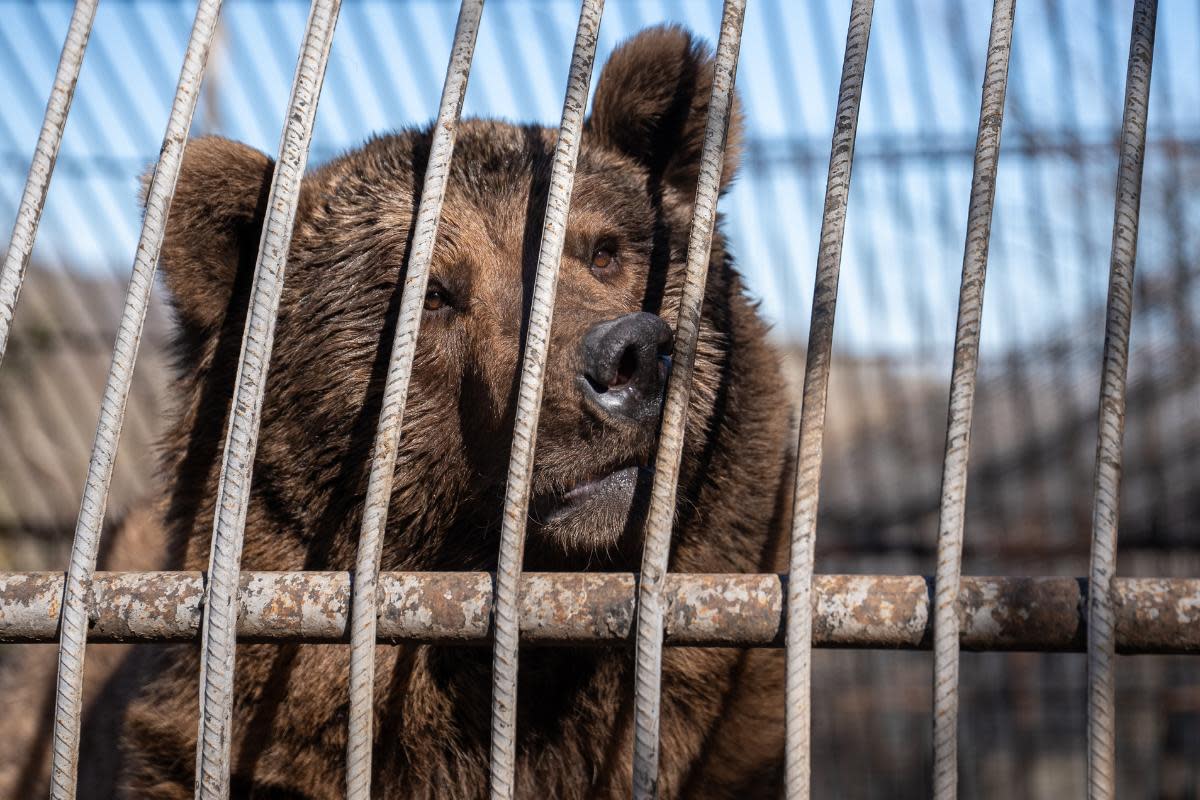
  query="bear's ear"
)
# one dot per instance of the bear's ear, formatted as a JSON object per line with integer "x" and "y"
{"x": 652, "y": 103}
{"x": 213, "y": 229}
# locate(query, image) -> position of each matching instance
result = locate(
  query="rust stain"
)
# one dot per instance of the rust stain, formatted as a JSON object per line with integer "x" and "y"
{"x": 1153, "y": 615}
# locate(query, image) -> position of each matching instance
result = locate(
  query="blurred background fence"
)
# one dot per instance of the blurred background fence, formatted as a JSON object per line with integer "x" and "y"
{"x": 1030, "y": 497}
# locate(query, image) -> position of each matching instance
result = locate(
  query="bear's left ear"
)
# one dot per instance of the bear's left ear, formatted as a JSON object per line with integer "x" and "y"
{"x": 213, "y": 230}
{"x": 652, "y": 103}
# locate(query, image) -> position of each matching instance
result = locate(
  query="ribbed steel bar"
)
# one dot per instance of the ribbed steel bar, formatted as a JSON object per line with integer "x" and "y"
{"x": 37, "y": 184}
{"x": 962, "y": 403}
{"x": 233, "y": 493}
{"x": 84, "y": 548}
{"x": 395, "y": 396}
{"x": 1101, "y": 720}
{"x": 812, "y": 411}
{"x": 661, "y": 513}
{"x": 1049, "y": 614}
{"x": 529, "y": 401}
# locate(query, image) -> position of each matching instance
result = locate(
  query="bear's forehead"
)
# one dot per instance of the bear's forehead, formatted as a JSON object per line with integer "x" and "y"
{"x": 495, "y": 195}
{"x": 494, "y": 163}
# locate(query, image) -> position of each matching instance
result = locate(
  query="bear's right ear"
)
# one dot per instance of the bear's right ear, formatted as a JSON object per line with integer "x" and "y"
{"x": 651, "y": 103}
{"x": 213, "y": 229}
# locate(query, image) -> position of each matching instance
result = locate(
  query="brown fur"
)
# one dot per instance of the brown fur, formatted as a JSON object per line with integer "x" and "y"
{"x": 722, "y": 709}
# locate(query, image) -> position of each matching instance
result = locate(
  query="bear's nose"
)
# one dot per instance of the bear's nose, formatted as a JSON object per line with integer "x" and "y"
{"x": 625, "y": 366}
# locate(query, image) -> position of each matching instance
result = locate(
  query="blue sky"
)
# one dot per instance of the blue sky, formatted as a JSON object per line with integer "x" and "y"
{"x": 907, "y": 214}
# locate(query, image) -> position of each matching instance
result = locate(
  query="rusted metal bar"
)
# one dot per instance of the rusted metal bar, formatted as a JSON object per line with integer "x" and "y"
{"x": 218, "y": 644}
{"x": 1153, "y": 615}
{"x": 86, "y": 543}
{"x": 395, "y": 396}
{"x": 529, "y": 402}
{"x": 1101, "y": 720}
{"x": 812, "y": 410}
{"x": 962, "y": 403}
{"x": 661, "y": 513}
{"x": 41, "y": 168}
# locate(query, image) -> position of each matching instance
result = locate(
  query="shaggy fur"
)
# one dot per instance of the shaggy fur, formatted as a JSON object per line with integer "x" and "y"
{"x": 722, "y": 724}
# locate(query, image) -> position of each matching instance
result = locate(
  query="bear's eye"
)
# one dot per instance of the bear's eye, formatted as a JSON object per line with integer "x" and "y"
{"x": 604, "y": 259}
{"x": 436, "y": 298}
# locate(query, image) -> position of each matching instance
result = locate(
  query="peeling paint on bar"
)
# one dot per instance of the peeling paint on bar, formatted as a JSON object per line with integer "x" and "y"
{"x": 1102, "y": 612}
{"x": 817, "y": 364}
{"x": 41, "y": 167}
{"x": 218, "y": 646}
{"x": 660, "y": 515}
{"x": 502, "y": 760}
{"x": 85, "y": 546}
{"x": 1153, "y": 615}
{"x": 953, "y": 503}
{"x": 361, "y": 724}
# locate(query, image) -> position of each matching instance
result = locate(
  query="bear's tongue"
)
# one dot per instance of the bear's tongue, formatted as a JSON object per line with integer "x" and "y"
{"x": 616, "y": 486}
{"x": 591, "y": 486}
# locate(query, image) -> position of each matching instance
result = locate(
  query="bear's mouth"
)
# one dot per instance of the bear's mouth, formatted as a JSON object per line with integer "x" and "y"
{"x": 610, "y": 494}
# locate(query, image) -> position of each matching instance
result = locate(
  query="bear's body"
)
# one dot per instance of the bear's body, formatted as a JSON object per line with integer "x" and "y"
{"x": 722, "y": 709}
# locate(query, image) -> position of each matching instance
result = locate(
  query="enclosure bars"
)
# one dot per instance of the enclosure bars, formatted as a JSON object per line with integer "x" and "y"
{"x": 962, "y": 404}
{"x": 1101, "y": 761}
{"x": 529, "y": 400}
{"x": 598, "y": 609}
{"x": 41, "y": 168}
{"x": 161, "y": 189}
{"x": 661, "y": 513}
{"x": 1103, "y": 602}
{"x": 395, "y": 396}
{"x": 233, "y": 495}
{"x": 812, "y": 411}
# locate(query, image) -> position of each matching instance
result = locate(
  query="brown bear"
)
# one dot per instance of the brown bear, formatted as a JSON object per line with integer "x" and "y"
{"x": 618, "y": 297}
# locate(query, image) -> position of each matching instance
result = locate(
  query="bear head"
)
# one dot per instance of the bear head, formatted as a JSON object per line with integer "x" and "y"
{"x": 618, "y": 297}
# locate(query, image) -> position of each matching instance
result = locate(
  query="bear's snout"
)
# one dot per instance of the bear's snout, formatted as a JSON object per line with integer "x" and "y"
{"x": 625, "y": 366}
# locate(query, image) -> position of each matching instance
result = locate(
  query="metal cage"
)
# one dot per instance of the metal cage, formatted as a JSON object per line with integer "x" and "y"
{"x": 1101, "y": 614}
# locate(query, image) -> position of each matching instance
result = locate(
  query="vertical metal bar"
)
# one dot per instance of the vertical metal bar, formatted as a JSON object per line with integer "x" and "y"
{"x": 962, "y": 402}
{"x": 661, "y": 514}
{"x": 69, "y": 692}
{"x": 812, "y": 412}
{"x": 218, "y": 638}
{"x": 529, "y": 401}
{"x": 37, "y": 184}
{"x": 395, "y": 395}
{"x": 1101, "y": 701}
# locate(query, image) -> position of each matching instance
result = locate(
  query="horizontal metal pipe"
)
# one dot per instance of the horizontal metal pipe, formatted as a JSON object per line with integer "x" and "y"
{"x": 1153, "y": 615}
